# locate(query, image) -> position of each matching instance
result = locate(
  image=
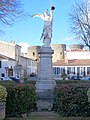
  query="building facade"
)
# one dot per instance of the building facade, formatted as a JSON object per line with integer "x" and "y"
{"x": 75, "y": 62}
{"x": 72, "y": 61}
{"x": 58, "y": 51}
{"x": 7, "y": 66}
{"x": 76, "y": 67}
{"x": 33, "y": 52}
{"x": 28, "y": 66}
{"x": 11, "y": 60}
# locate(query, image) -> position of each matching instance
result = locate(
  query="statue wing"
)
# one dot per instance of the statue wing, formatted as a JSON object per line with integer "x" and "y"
{"x": 39, "y": 15}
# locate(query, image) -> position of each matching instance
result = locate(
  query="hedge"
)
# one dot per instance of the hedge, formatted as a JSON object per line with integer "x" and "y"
{"x": 71, "y": 99}
{"x": 20, "y": 99}
{"x": 72, "y": 81}
{"x": 30, "y": 82}
{"x": 7, "y": 83}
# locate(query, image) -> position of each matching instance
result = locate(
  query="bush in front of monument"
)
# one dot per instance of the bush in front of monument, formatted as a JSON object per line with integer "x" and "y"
{"x": 71, "y": 99}
{"x": 20, "y": 100}
{"x": 88, "y": 94}
{"x": 3, "y": 95}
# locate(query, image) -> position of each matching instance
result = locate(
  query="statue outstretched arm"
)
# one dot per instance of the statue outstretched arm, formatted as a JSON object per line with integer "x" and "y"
{"x": 38, "y": 15}
{"x": 51, "y": 12}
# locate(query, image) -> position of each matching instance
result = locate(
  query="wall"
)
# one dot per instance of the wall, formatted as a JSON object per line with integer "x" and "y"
{"x": 58, "y": 51}
{"x": 33, "y": 52}
{"x": 28, "y": 66}
{"x": 78, "y": 54}
{"x": 7, "y": 49}
{"x": 7, "y": 63}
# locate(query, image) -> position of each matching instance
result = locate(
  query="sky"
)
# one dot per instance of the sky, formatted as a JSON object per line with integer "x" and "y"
{"x": 28, "y": 29}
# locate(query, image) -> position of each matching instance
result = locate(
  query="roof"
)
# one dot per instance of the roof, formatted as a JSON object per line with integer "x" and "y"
{"x": 5, "y": 57}
{"x": 72, "y": 62}
{"x": 77, "y": 50}
{"x": 27, "y": 58}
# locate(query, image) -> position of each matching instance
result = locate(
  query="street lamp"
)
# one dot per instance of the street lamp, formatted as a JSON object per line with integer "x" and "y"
{"x": 6, "y": 68}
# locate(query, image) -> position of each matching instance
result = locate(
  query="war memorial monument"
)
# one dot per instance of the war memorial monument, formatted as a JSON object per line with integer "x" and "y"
{"x": 45, "y": 84}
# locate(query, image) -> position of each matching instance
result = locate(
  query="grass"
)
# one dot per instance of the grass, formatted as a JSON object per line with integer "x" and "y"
{"x": 49, "y": 118}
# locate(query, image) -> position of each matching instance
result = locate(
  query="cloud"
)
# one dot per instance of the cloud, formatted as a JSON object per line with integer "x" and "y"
{"x": 69, "y": 38}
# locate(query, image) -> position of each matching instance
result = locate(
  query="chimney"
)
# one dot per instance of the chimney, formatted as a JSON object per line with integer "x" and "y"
{"x": 12, "y": 41}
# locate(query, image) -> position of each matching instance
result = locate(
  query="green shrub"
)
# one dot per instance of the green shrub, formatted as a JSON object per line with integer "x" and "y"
{"x": 24, "y": 78}
{"x": 71, "y": 99}
{"x": 63, "y": 75}
{"x": 7, "y": 83}
{"x": 3, "y": 93}
{"x": 72, "y": 81}
{"x": 20, "y": 99}
{"x": 30, "y": 82}
{"x": 88, "y": 94}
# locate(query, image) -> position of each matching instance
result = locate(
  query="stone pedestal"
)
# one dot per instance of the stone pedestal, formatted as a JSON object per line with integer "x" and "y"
{"x": 45, "y": 84}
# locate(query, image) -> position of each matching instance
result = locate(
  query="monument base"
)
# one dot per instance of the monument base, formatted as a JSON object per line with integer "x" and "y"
{"x": 45, "y": 95}
{"x": 44, "y": 105}
{"x": 45, "y": 84}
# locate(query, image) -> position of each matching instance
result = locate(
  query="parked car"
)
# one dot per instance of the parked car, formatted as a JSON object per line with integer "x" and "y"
{"x": 5, "y": 78}
{"x": 86, "y": 78}
{"x": 16, "y": 79}
{"x": 32, "y": 75}
{"x": 75, "y": 77}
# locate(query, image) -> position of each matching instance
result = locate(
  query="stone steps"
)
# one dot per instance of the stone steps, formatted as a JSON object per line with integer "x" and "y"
{"x": 43, "y": 113}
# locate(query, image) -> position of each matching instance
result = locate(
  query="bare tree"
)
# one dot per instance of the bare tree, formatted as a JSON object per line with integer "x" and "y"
{"x": 9, "y": 10}
{"x": 80, "y": 21}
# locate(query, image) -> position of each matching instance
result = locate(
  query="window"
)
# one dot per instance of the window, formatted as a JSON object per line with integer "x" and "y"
{"x": 0, "y": 64}
{"x": 62, "y": 70}
{"x": 88, "y": 70}
{"x": 33, "y": 53}
{"x": 68, "y": 70}
{"x": 72, "y": 70}
{"x": 10, "y": 72}
{"x": 83, "y": 71}
{"x": 58, "y": 70}
{"x": 78, "y": 70}
{"x": 3, "y": 75}
{"x": 60, "y": 53}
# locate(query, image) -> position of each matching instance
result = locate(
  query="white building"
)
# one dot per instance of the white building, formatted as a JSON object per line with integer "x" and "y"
{"x": 11, "y": 60}
{"x": 7, "y": 66}
{"x": 77, "y": 54}
{"x": 75, "y": 62}
{"x": 28, "y": 66}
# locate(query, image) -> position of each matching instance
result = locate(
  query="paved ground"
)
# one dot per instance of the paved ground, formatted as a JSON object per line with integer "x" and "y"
{"x": 43, "y": 113}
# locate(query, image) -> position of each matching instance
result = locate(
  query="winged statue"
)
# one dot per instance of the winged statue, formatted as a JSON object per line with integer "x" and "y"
{"x": 47, "y": 17}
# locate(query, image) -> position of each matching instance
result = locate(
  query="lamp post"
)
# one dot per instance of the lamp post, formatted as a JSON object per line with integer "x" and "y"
{"x": 6, "y": 68}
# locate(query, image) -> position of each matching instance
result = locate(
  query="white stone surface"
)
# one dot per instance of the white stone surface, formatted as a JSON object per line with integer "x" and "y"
{"x": 45, "y": 84}
{"x": 44, "y": 105}
{"x": 45, "y": 73}
{"x": 78, "y": 54}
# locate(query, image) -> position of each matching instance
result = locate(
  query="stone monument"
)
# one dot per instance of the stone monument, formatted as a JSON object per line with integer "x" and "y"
{"x": 45, "y": 84}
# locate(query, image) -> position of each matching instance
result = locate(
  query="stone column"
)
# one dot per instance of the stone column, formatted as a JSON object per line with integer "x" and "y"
{"x": 45, "y": 84}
